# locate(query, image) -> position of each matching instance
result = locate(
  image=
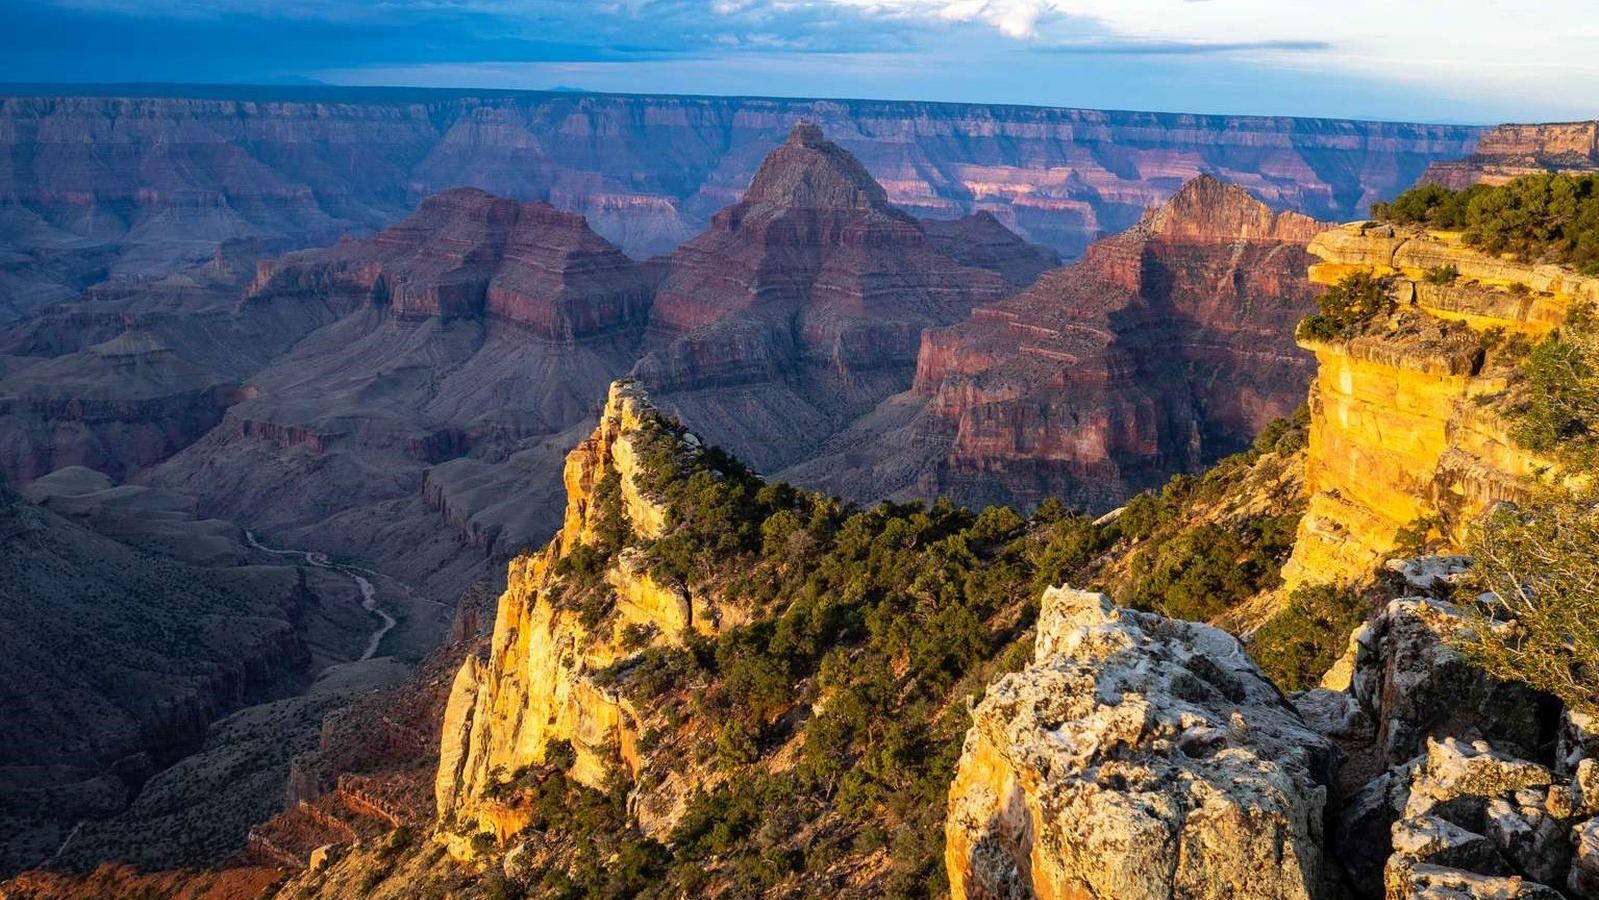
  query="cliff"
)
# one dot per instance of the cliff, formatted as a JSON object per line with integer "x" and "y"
{"x": 1162, "y": 350}
{"x": 1509, "y": 151}
{"x": 536, "y": 685}
{"x": 1403, "y": 416}
{"x": 297, "y": 167}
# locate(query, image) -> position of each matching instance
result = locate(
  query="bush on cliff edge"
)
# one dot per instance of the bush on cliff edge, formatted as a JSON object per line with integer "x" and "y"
{"x": 1540, "y": 564}
{"x": 1348, "y": 307}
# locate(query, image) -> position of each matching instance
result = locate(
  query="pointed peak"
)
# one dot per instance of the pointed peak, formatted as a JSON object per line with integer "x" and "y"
{"x": 810, "y": 172}
{"x": 806, "y": 133}
{"x": 1208, "y": 209}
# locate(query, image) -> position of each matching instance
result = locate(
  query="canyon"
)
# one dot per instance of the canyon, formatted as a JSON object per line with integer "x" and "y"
{"x": 345, "y": 399}
{"x": 130, "y": 182}
{"x": 709, "y": 682}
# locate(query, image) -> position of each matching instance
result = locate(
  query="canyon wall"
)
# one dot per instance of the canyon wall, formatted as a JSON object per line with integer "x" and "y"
{"x": 1404, "y": 422}
{"x": 1163, "y": 349}
{"x": 125, "y": 181}
{"x": 1510, "y": 151}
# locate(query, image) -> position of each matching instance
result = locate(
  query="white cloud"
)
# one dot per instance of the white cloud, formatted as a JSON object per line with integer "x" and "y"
{"x": 1507, "y": 48}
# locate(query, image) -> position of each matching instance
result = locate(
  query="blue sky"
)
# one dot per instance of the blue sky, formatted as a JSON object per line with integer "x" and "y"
{"x": 1426, "y": 60}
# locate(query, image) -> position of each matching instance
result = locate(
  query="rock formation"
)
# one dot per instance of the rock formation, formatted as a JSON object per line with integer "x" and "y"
{"x": 536, "y": 685}
{"x": 1425, "y": 377}
{"x": 466, "y": 253}
{"x": 1510, "y": 151}
{"x": 803, "y": 305}
{"x": 1163, "y": 349}
{"x": 297, "y": 167}
{"x": 1137, "y": 757}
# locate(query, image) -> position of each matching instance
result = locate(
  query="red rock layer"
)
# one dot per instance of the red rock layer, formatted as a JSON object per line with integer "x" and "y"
{"x": 1164, "y": 348}
{"x": 467, "y": 254}
{"x": 813, "y": 267}
{"x": 137, "y": 184}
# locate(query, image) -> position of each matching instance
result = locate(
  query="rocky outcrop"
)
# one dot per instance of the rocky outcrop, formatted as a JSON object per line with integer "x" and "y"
{"x": 297, "y": 167}
{"x": 465, "y": 253}
{"x": 1162, "y": 350}
{"x": 536, "y": 685}
{"x": 1403, "y": 421}
{"x": 1405, "y": 670}
{"x": 1449, "y": 789}
{"x": 1510, "y": 151}
{"x": 1137, "y": 757}
{"x": 1141, "y": 757}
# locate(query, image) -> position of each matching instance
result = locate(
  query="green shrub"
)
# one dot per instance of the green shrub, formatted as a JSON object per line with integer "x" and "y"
{"x": 1545, "y": 217}
{"x": 1348, "y": 307}
{"x": 1428, "y": 204}
{"x": 1441, "y": 275}
{"x": 1556, "y": 408}
{"x": 1539, "y": 561}
{"x": 1298, "y": 645}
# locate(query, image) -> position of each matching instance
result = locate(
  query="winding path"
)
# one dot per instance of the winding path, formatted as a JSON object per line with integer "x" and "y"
{"x": 369, "y": 594}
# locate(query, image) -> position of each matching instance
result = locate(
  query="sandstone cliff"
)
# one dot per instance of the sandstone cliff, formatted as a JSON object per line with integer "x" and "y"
{"x": 536, "y": 686}
{"x": 1403, "y": 420}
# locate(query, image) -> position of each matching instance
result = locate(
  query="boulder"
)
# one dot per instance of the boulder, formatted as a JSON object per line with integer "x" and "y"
{"x": 1429, "y": 573}
{"x": 1137, "y": 757}
{"x": 1584, "y": 878}
{"x": 1415, "y": 685}
{"x": 1428, "y": 882}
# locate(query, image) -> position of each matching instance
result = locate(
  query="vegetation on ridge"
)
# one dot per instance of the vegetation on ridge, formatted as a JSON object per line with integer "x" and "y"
{"x": 1348, "y": 307}
{"x": 1537, "y": 559}
{"x": 1545, "y": 217}
{"x": 834, "y": 719}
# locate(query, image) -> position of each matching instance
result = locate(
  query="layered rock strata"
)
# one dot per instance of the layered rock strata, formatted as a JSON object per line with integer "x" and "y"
{"x": 804, "y": 304}
{"x": 1162, "y": 350}
{"x": 1403, "y": 421}
{"x": 298, "y": 166}
{"x": 467, "y": 254}
{"x": 1509, "y": 151}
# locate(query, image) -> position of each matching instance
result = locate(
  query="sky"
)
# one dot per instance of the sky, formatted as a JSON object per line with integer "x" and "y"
{"x": 1412, "y": 60}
